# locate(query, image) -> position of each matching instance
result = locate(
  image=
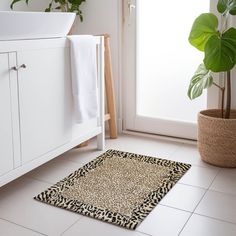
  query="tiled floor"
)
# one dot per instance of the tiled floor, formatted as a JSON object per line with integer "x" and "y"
{"x": 202, "y": 203}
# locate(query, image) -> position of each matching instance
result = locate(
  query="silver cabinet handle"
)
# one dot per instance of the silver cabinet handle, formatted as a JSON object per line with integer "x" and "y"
{"x": 19, "y": 67}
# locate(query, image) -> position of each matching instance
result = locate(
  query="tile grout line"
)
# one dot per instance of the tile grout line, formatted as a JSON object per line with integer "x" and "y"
{"x": 194, "y": 186}
{"x": 176, "y": 149}
{"x": 43, "y": 181}
{"x": 199, "y": 202}
{"x": 195, "y": 165}
{"x": 225, "y": 221}
{"x": 22, "y": 226}
{"x": 80, "y": 163}
{"x": 226, "y": 193}
{"x": 174, "y": 208}
{"x": 205, "y": 167}
{"x": 182, "y": 146}
{"x": 185, "y": 224}
{"x": 80, "y": 217}
{"x": 143, "y": 233}
{"x": 207, "y": 189}
{"x": 215, "y": 178}
{"x": 47, "y": 182}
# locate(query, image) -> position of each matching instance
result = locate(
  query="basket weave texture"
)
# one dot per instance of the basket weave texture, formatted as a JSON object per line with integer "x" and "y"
{"x": 217, "y": 138}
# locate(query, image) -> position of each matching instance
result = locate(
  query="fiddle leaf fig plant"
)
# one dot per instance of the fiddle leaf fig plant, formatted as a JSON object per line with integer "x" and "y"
{"x": 219, "y": 46}
{"x": 62, "y": 5}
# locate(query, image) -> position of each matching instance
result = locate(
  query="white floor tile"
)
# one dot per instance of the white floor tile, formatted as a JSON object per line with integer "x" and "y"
{"x": 54, "y": 171}
{"x": 10, "y": 229}
{"x": 128, "y": 143}
{"x": 90, "y": 227}
{"x": 204, "y": 226}
{"x": 199, "y": 176}
{"x": 145, "y": 146}
{"x": 82, "y": 155}
{"x": 164, "y": 221}
{"x": 189, "y": 154}
{"x": 18, "y": 206}
{"x": 183, "y": 197}
{"x": 225, "y": 181}
{"x": 218, "y": 205}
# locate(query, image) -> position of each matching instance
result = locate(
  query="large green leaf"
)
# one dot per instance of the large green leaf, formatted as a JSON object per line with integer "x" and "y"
{"x": 203, "y": 28}
{"x": 225, "y": 6}
{"x": 220, "y": 51}
{"x": 229, "y": 36}
{"x": 202, "y": 79}
{"x": 222, "y": 6}
{"x": 232, "y": 11}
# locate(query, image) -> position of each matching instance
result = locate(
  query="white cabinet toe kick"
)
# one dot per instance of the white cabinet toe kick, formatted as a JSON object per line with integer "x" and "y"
{"x": 37, "y": 120}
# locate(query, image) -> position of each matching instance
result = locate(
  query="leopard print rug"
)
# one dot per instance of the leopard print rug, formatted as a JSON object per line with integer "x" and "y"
{"x": 117, "y": 187}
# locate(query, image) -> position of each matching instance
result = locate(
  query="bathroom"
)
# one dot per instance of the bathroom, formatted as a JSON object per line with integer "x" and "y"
{"x": 44, "y": 145}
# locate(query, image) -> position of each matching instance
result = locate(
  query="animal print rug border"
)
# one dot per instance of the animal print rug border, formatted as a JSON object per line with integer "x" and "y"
{"x": 52, "y": 195}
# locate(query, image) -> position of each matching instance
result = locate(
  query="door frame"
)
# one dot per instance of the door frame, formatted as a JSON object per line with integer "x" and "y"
{"x": 134, "y": 122}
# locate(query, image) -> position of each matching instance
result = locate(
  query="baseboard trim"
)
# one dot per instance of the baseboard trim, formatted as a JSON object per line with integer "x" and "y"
{"x": 160, "y": 137}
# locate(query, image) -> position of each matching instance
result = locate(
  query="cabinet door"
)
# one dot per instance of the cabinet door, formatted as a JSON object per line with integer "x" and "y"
{"x": 45, "y": 100}
{"x": 6, "y": 139}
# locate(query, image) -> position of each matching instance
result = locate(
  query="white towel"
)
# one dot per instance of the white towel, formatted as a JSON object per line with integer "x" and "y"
{"x": 84, "y": 76}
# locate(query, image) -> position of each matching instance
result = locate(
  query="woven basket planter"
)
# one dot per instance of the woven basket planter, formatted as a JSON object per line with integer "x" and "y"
{"x": 217, "y": 138}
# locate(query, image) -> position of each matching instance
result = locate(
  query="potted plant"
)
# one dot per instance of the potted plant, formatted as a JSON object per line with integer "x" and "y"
{"x": 216, "y": 127}
{"x": 62, "y": 5}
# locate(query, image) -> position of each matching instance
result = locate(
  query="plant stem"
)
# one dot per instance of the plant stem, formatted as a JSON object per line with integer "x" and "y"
{"x": 218, "y": 86}
{"x": 228, "y": 96}
{"x": 222, "y": 102}
{"x": 222, "y": 89}
{"x": 223, "y": 23}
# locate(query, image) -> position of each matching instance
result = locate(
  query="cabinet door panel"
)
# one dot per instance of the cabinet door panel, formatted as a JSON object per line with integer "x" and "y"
{"x": 6, "y": 143}
{"x": 45, "y": 101}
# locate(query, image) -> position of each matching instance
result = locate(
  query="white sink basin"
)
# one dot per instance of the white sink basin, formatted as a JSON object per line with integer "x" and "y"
{"x": 34, "y": 25}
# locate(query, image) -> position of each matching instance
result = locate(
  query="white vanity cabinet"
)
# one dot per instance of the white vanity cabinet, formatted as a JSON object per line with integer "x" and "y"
{"x": 6, "y": 150}
{"x": 37, "y": 120}
{"x": 44, "y": 100}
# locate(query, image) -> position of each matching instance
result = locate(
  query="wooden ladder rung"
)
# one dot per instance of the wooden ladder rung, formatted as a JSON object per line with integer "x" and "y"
{"x": 107, "y": 117}
{"x": 110, "y": 91}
